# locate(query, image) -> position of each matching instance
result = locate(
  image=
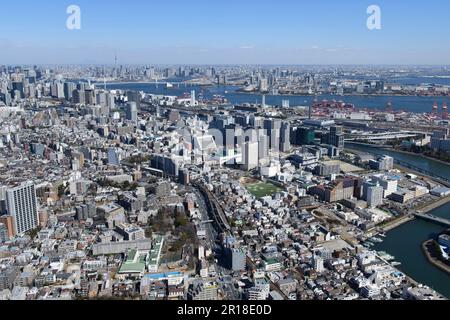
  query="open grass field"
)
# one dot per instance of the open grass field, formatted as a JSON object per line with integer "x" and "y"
{"x": 261, "y": 189}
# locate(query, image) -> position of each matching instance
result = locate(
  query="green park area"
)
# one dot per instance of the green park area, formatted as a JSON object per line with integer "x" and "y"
{"x": 262, "y": 189}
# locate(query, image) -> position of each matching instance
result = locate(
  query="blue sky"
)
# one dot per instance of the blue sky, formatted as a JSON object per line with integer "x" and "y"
{"x": 225, "y": 32}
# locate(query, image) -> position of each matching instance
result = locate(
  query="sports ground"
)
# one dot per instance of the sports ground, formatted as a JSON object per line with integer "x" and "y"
{"x": 262, "y": 189}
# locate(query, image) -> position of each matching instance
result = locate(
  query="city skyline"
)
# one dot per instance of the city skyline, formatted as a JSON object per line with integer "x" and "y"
{"x": 224, "y": 151}
{"x": 290, "y": 33}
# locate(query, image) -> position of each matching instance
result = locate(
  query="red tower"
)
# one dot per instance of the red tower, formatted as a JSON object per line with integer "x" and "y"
{"x": 444, "y": 111}
{"x": 435, "y": 108}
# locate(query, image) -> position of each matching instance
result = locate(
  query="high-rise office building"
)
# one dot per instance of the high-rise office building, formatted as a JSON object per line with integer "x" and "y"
{"x": 79, "y": 96}
{"x": 263, "y": 145}
{"x": 22, "y": 206}
{"x": 90, "y": 96}
{"x": 285, "y": 143}
{"x": 193, "y": 101}
{"x": 336, "y": 137}
{"x": 131, "y": 111}
{"x": 273, "y": 129}
{"x": 57, "y": 90}
{"x": 250, "y": 155}
{"x": 110, "y": 100}
{"x": 69, "y": 87}
{"x": 374, "y": 195}
{"x": 134, "y": 96}
{"x": 81, "y": 86}
{"x": 101, "y": 99}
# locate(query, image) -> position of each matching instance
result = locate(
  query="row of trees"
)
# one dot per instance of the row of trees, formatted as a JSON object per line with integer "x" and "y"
{"x": 124, "y": 186}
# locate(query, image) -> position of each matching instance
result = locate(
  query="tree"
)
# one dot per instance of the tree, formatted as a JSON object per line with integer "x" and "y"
{"x": 61, "y": 190}
{"x": 33, "y": 233}
{"x": 180, "y": 220}
{"x": 148, "y": 232}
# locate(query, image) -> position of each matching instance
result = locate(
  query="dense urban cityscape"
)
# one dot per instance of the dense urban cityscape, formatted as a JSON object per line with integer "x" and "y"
{"x": 224, "y": 159}
{"x": 221, "y": 182}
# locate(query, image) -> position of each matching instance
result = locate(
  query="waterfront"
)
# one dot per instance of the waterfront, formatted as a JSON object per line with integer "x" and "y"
{"x": 436, "y": 167}
{"x": 406, "y": 103}
{"x": 405, "y": 241}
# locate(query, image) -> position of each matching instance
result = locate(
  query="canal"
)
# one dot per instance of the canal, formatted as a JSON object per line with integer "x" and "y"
{"x": 404, "y": 242}
{"x": 439, "y": 168}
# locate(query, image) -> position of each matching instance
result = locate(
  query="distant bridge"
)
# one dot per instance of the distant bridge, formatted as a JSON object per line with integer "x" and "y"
{"x": 431, "y": 218}
{"x": 167, "y": 83}
{"x": 382, "y": 136}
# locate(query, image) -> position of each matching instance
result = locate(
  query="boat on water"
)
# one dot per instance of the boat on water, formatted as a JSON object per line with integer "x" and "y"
{"x": 375, "y": 239}
{"x": 396, "y": 263}
{"x": 386, "y": 256}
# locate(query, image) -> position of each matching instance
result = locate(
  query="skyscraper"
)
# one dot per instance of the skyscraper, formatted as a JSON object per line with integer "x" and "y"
{"x": 336, "y": 137}
{"x": 69, "y": 87}
{"x": 375, "y": 195}
{"x": 273, "y": 129}
{"x": 134, "y": 96}
{"x": 57, "y": 90}
{"x": 22, "y": 206}
{"x": 250, "y": 155}
{"x": 89, "y": 95}
{"x": 131, "y": 111}
{"x": 263, "y": 145}
{"x": 193, "y": 101}
{"x": 285, "y": 137}
{"x": 79, "y": 96}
